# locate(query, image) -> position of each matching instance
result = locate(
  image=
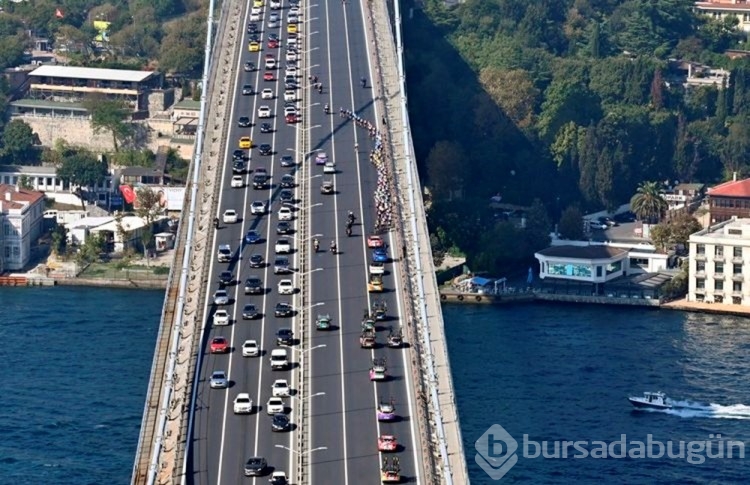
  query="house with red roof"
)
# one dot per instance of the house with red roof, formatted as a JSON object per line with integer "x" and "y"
{"x": 730, "y": 199}
{"x": 21, "y": 215}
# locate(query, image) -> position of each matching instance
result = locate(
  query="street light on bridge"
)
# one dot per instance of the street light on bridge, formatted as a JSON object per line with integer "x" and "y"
{"x": 319, "y": 448}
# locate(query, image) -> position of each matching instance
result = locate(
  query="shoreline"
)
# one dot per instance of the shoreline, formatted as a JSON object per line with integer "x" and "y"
{"x": 134, "y": 284}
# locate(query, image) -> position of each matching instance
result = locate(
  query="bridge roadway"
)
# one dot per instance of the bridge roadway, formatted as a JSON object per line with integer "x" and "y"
{"x": 342, "y": 399}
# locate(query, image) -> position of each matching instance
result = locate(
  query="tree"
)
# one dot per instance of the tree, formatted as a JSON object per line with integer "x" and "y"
{"x": 18, "y": 142}
{"x": 24, "y": 182}
{"x": 11, "y": 51}
{"x": 647, "y": 203}
{"x": 149, "y": 207}
{"x": 660, "y": 236}
{"x": 567, "y": 101}
{"x": 109, "y": 115}
{"x": 182, "y": 47}
{"x": 571, "y": 223}
{"x": 59, "y": 239}
{"x": 682, "y": 227}
{"x": 657, "y": 90}
{"x": 82, "y": 169}
{"x": 513, "y": 91}
{"x": 445, "y": 169}
{"x": 538, "y": 227}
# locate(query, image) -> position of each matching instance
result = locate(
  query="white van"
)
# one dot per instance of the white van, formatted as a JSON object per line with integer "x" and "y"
{"x": 279, "y": 359}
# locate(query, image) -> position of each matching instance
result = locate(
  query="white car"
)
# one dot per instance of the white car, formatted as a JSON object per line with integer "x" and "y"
{"x": 295, "y": 11}
{"x": 258, "y": 207}
{"x": 273, "y": 21}
{"x": 291, "y": 56}
{"x": 264, "y": 112}
{"x": 282, "y": 247}
{"x": 291, "y": 19}
{"x": 270, "y": 63}
{"x": 321, "y": 158}
{"x": 250, "y": 348}
{"x": 275, "y": 4}
{"x": 255, "y": 14}
{"x": 377, "y": 267}
{"x": 225, "y": 253}
{"x": 286, "y": 287}
{"x": 285, "y": 214}
{"x": 280, "y": 388}
{"x": 221, "y": 297}
{"x": 275, "y": 405}
{"x": 290, "y": 71}
{"x": 229, "y": 216}
{"x": 221, "y": 317}
{"x": 329, "y": 167}
{"x": 290, "y": 110}
{"x": 243, "y": 404}
{"x": 267, "y": 93}
{"x": 290, "y": 95}
{"x": 237, "y": 182}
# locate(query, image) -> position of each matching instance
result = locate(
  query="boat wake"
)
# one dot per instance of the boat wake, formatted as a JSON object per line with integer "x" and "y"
{"x": 692, "y": 409}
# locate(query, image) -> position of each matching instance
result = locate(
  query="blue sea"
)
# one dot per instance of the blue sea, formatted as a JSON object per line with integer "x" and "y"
{"x": 76, "y": 364}
{"x": 564, "y": 373}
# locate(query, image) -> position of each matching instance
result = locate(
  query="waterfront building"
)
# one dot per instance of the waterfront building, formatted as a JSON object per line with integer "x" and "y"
{"x": 587, "y": 264}
{"x": 118, "y": 235}
{"x": 45, "y": 179}
{"x": 728, "y": 200}
{"x": 21, "y": 212}
{"x": 719, "y": 270}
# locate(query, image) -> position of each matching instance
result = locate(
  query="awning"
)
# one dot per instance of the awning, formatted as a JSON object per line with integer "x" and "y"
{"x": 479, "y": 281}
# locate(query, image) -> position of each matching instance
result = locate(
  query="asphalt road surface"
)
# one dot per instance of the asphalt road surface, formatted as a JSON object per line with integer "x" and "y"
{"x": 342, "y": 398}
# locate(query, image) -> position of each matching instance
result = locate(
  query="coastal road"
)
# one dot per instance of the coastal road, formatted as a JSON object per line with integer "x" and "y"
{"x": 343, "y": 401}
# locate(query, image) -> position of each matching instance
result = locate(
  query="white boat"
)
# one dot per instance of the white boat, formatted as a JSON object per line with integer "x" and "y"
{"x": 652, "y": 400}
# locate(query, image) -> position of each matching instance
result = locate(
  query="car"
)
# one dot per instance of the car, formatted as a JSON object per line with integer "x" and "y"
{"x": 287, "y": 181}
{"x": 218, "y": 380}
{"x": 286, "y": 196}
{"x": 253, "y": 37}
{"x": 624, "y": 217}
{"x": 285, "y": 336}
{"x": 290, "y": 71}
{"x": 254, "y": 286}
{"x": 266, "y": 128}
{"x": 283, "y": 227}
{"x": 273, "y": 23}
{"x": 245, "y": 142}
{"x": 253, "y": 46}
{"x": 249, "y": 66}
{"x": 257, "y": 261}
{"x": 247, "y": 90}
{"x": 257, "y": 3}
{"x": 292, "y": 19}
{"x": 281, "y": 265}
{"x": 283, "y": 310}
{"x": 280, "y": 422}
{"x": 291, "y": 56}
{"x": 266, "y": 93}
{"x": 608, "y": 221}
{"x": 238, "y": 155}
{"x": 229, "y": 216}
{"x": 270, "y": 63}
{"x": 280, "y": 388}
{"x": 255, "y": 10}
{"x": 249, "y": 312}
{"x": 219, "y": 345}
{"x": 221, "y": 317}
{"x": 275, "y": 4}
{"x": 265, "y": 149}
{"x": 286, "y": 287}
{"x": 290, "y": 95}
{"x": 597, "y": 225}
{"x": 238, "y": 166}
{"x": 242, "y": 404}
{"x": 290, "y": 86}
{"x": 225, "y": 253}
{"x": 377, "y": 267}
{"x": 250, "y": 348}
{"x": 291, "y": 118}
{"x": 252, "y": 237}
{"x": 221, "y": 297}
{"x": 387, "y": 442}
{"x": 323, "y": 322}
{"x": 264, "y": 112}
{"x": 321, "y": 158}
{"x": 329, "y": 167}
{"x": 295, "y": 11}
{"x": 260, "y": 180}
{"x": 290, "y": 110}
{"x": 293, "y": 40}
{"x": 255, "y": 466}
{"x": 380, "y": 255}
{"x": 258, "y": 207}
{"x": 287, "y": 161}
{"x": 375, "y": 242}
{"x": 291, "y": 80}
{"x": 285, "y": 214}
{"x": 282, "y": 246}
{"x": 244, "y": 122}
{"x": 268, "y": 76}
{"x": 279, "y": 359}
{"x": 226, "y": 278}
{"x": 275, "y": 405}
{"x": 327, "y": 187}
{"x": 291, "y": 28}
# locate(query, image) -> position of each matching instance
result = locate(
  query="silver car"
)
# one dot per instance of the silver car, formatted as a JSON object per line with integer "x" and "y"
{"x": 219, "y": 380}
{"x": 221, "y": 297}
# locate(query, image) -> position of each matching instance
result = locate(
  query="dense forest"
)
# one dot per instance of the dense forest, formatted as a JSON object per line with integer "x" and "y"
{"x": 573, "y": 102}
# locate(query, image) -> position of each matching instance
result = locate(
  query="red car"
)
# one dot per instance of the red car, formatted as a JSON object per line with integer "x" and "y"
{"x": 268, "y": 76}
{"x": 273, "y": 44}
{"x": 387, "y": 442}
{"x": 219, "y": 345}
{"x": 291, "y": 118}
{"x": 375, "y": 242}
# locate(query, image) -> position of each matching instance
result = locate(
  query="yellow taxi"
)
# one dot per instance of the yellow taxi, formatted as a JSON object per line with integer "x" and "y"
{"x": 246, "y": 142}
{"x": 258, "y": 3}
{"x": 253, "y": 46}
{"x": 291, "y": 28}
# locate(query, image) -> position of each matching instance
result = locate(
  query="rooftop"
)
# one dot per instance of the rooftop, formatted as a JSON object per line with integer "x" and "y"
{"x": 582, "y": 252}
{"x": 13, "y": 197}
{"x": 94, "y": 73}
{"x": 733, "y": 188}
{"x": 44, "y": 103}
{"x": 188, "y": 104}
{"x": 733, "y": 228}
{"x": 723, "y": 5}
{"x": 31, "y": 170}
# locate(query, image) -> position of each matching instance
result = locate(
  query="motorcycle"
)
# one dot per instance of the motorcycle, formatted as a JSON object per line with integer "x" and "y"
{"x": 333, "y": 249}
{"x": 327, "y": 109}
{"x": 351, "y": 219}
{"x": 363, "y": 82}
{"x": 348, "y": 230}
{"x": 216, "y": 222}
{"x": 316, "y": 246}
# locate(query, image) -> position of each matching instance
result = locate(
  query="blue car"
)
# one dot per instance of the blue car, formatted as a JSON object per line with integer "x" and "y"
{"x": 380, "y": 255}
{"x": 252, "y": 237}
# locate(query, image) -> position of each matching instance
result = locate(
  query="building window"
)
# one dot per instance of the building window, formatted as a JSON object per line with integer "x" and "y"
{"x": 16, "y": 252}
{"x": 737, "y": 286}
{"x": 49, "y": 180}
{"x": 700, "y": 249}
{"x": 7, "y": 251}
{"x": 718, "y": 285}
{"x": 598, "y": 271}
{"x": 719, "y": 268}
{"x": 719, "y": 251}
{"x": 614, "y": 267}
{"x": 6, "y": 229}
{"x": 700, "y": 266}
{"x": 737, "y": 252}
{"x": 700, "y": 284}
{"x": 736, "y": 269}
{"x": 579, "y": 270}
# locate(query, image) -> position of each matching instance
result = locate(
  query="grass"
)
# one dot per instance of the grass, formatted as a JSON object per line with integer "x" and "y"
{"x": 134, "y": 271}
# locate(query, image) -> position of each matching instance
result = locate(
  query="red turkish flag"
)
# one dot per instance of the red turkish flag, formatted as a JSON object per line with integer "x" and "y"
{"x": 59, "y": 14}
{"x": 128, "y": 193}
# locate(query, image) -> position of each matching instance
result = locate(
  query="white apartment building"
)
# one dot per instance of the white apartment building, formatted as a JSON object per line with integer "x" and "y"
{"x": 21, "y": 214}
{"x": 719, "y": 263}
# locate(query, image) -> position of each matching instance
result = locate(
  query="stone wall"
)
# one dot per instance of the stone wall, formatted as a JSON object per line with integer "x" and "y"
{"x": 160, "y": 100}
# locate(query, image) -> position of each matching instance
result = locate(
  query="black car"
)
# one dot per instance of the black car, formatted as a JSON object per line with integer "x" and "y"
{"x": 265, "y": 149}
{"x": 256, "y": 261}
{"x": 247, "y": 90}
{"x": 278, "y": 480}
{"x": 260, "y": 180}
{"x": 252, "y": 27}
{"x": 287, "y": 181}
{"x": 243, "y": 122}
{"x": 254, "y": 37}
{"x": 282, "y": 309}
{"x": 249, "y": 67}
{"x": 285, "y": 336}
{"x": 290, "y": 80}
{"x": 273, "y": 36}
{"x": 226, "y": 278}
{"x": 281, "y": 265}
{"x": 280, "y": 422}
{"x": 266, "y": 128}
{"x": 286, "y": 197}
{"x": 292, "y": 86}
{"x": 238, "y": 166}
{"x": 254, "y": 286}
{"x": 283, "y": 227}
{"x": 286, "y": 161}
{"x": 249, "y": 312}
{"x": 238, "y": 155}
{"x": 255, "y": 466}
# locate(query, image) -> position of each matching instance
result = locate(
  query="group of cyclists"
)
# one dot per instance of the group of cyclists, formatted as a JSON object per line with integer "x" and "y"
{"x": 350, "y": 218}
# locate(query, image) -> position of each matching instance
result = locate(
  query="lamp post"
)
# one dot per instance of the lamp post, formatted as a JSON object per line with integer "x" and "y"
{"x": 319, "y": 448}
